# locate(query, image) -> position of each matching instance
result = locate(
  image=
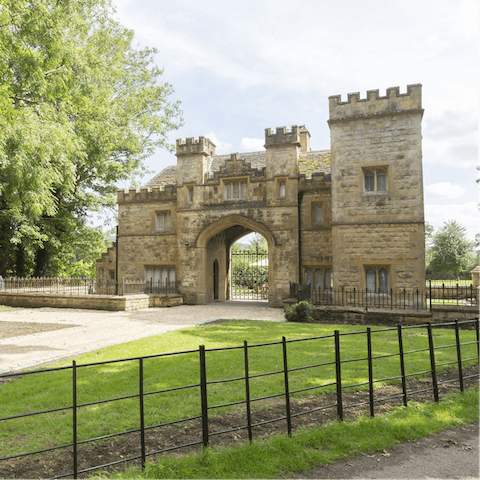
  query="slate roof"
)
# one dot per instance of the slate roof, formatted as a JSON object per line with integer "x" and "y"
{"x": 308, "y": 163}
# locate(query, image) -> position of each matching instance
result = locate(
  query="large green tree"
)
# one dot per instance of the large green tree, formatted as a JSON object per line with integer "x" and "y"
{"x": 451, "y": 251}
{"x": 80, "y": 110}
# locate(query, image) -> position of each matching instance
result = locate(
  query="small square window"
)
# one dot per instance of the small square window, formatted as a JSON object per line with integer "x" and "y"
{"x": 375, "y": 180}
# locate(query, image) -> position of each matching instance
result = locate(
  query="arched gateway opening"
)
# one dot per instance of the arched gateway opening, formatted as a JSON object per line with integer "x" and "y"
{"x": 231, "y": 274}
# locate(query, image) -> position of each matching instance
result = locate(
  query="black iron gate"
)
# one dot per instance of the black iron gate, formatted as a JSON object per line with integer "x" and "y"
{"x": 249, "y": 275}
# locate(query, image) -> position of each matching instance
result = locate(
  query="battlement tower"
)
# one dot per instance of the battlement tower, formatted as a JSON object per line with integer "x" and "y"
{"x": 377, "y": 187}
{"x": 192, "y": 159}
{"x": 282, "y": 148}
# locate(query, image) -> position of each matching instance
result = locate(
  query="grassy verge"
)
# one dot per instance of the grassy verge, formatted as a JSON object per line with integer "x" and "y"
{"x": 49, "y": 390}
{"x": 306, "y": 449}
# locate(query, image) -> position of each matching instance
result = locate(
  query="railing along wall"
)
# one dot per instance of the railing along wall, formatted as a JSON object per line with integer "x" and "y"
{"x": 443, "y": 294}
{"x": 85, "y": 286}
{"x": 203, "y": 387}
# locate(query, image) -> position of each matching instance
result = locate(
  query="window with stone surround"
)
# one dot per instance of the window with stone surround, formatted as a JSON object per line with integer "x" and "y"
{"x": 235, "y": 190}
{"x": 317, "y": 214}
{"x": 190, "y": 195}
{"x": 163, "y": 221}
{"x": 376, "y": 278}
{"x": 319, "y": 278}
{"x": 160, "y": 275}
{"x": 281, "y": 189}
{"x": 375, "y": 179}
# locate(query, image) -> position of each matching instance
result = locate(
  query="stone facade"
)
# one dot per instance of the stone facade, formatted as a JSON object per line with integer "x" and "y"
{"x": 352, "y": 216}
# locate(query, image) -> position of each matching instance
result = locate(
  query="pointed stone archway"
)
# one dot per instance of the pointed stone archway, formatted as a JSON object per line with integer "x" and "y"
{"x": 213, "y": 247}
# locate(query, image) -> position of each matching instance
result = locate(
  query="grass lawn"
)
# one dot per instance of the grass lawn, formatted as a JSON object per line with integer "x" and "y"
{"x": 278, "y": 456}
{"x": 54, "y": 389}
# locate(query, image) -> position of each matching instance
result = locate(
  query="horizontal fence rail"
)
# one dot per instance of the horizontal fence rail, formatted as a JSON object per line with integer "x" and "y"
{"x": 442, "y": 294}
{"x": 408, "y": 361}
{"x": 86, "y": 286}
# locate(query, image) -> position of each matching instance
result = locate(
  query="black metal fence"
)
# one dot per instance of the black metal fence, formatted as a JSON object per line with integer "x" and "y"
{"x": 86, "y": 286}
{"x": 444, "y": 294}
{"x": 202, "y": 388}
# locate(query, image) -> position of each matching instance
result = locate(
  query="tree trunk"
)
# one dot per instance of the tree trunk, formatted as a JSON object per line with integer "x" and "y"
{"x": 42, "y": 259}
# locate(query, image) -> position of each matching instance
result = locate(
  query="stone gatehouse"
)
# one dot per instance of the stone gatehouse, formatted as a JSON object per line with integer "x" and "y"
{"x": 350, "y": 216}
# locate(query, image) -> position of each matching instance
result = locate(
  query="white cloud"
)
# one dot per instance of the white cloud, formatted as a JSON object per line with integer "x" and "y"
{"x": 444, "y": 190}
{"x": 221, "y": 147}
{"x": 251, "y": 144}
{"x": 466, "y": 214}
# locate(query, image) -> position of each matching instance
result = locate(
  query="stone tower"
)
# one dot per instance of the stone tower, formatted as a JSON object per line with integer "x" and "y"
{"x": 377, "y": 190}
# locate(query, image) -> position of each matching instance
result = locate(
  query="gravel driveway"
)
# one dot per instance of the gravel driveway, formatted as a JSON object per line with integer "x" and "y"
{"x": 61, "y": 333}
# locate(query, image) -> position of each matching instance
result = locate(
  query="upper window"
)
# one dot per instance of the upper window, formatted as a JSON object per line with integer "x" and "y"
{"x": 317, "y": 215}
{"x": 281, "y": 192}
{"x": 377, "y": 279}
{"x": 375, "y": 180}
{"x": 235, "y": 190}
{"x": 190, "y": 194}
{"x": 163, "y": 221}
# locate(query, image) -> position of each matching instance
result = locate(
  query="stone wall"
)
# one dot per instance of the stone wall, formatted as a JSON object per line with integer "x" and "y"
{"x": 128, "y": 303}
{"x": 383, "y": 227}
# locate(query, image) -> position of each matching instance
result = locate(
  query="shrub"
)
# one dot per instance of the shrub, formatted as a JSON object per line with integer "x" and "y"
{"x": 300, "y": 312}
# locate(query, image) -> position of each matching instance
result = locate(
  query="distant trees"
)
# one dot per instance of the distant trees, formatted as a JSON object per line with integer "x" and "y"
{"x": 80, "y": 109}
{"x": 450, "y": 251}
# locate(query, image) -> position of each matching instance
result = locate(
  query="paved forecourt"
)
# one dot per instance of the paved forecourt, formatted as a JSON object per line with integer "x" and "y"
{"x": 90, "y": 330}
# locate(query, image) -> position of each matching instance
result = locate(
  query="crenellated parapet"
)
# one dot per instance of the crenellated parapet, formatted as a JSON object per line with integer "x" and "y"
{"x": 393, "y": 102}
{"x": 147, "y": 194}
{"x": 282, "y": 136}
{"x": 190, "y": 146}
{"x": 317, "y": 181}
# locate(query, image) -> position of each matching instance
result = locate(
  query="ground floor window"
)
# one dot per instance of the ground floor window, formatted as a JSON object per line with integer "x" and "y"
{"x": 319, "y": 277}
{"x": 160, "y": 275}
{"x": 377, "y": 279}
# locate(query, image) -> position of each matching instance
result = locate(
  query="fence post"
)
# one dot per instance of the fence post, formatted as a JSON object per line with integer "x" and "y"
{"x": 142, "y": 412}
{"x": 432, "y": 362}
{"x": 402, "y": 364}
{"x": 459, "y": 355}
{"x": 287, "y": 390}
{"x": 247, "y": 392}
{"x": 338, "y": 374}
{"x": 74, "y": 407}
{"x": 370, "y": 371}
{"x": 203, "y": 395}
{"x": 430, "y": 295}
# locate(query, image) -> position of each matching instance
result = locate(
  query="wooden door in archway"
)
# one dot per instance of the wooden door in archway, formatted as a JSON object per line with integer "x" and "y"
{"x": 215, "y": 279}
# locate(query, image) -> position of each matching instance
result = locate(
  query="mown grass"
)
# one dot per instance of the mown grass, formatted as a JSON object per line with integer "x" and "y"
{"x": 54, "y": 389}
{"x": 278, "y": 456}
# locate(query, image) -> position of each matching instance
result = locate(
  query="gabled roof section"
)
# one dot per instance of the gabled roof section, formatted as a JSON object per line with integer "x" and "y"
{"x": 308, "y": 163}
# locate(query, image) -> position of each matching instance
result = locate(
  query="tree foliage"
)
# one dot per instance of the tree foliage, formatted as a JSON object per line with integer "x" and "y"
{"x": 80, "y": 110}
{"x": 451, "y": 251}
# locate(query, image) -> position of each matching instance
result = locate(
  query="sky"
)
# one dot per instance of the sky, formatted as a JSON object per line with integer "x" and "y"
{"x": 240, "y": 67}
